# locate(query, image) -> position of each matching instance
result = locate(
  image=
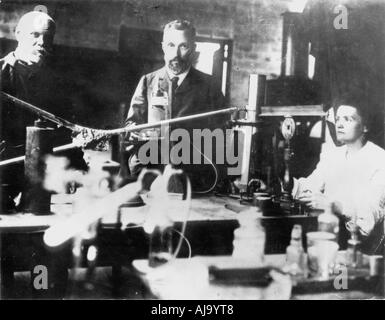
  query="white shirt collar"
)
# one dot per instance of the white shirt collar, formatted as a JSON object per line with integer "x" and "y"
{"x": 180, "y": 76}
{"x": 10, "y": 59}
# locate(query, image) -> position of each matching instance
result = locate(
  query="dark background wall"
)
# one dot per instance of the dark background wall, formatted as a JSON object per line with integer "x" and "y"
{"x": 350, "y": 61}
{"x": 104, "y": 46}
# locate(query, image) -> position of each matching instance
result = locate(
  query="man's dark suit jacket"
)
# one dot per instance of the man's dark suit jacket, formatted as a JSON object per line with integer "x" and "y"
{"x": 198, "y": 93}
{"x": 43, "y": 89}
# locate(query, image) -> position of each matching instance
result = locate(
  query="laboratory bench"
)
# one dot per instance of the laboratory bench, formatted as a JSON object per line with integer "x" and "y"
{"x": 121, "y": 239}
{"x": 226, "y": 278}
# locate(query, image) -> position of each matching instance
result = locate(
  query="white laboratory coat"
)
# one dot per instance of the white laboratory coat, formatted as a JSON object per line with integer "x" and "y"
{"x": 356, "y": 181}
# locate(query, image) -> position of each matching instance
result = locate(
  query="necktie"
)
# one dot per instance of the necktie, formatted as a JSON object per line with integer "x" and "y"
{"x": 174, "y": 85}
{"x": 174, "y": 82}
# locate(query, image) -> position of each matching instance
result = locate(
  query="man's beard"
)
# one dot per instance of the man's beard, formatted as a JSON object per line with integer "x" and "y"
{"x": 178, "y": 65}
{"x": 39, "y": 55}
{"x": 34, "y": 57}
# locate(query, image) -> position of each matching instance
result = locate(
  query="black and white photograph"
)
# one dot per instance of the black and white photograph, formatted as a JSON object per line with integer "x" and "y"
{"x": 206, "y": 151}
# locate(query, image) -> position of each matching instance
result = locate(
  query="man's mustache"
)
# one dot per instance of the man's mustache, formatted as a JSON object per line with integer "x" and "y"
{"x": 44, "y": 51}
{"x": 177, "y": 60}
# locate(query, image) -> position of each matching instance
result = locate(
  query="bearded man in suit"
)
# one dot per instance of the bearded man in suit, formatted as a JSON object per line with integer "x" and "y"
{"x": 175, "y": 90}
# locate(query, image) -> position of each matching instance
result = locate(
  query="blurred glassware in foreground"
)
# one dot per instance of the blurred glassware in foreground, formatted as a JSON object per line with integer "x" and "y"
{"x": 295, "y": 255}
{"x": 322, "y": 252}
{"x": 250, "y": 237}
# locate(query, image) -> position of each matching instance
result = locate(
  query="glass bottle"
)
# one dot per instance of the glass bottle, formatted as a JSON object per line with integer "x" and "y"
{"x": 328, "y": 222}
{"x": 250, "y": 237}
{"x": 354, "y": 257}
{"x": 295, "y": 254}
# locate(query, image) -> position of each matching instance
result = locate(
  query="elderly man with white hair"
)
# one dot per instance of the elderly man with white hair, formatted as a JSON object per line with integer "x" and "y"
{"x": 35, "y": 33}
{"x": 22, "y": 74}
{"x": 27, "y": 74}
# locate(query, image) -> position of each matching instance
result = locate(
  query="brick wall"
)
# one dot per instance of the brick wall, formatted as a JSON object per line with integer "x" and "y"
{"x": 255, "y": 26}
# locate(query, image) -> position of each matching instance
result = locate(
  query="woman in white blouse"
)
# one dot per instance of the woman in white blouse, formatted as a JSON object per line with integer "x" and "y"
{"x": 351, "y": 177}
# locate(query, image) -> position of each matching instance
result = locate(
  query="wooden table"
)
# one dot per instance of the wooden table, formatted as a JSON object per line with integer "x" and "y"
{"x": 210, "y": 227}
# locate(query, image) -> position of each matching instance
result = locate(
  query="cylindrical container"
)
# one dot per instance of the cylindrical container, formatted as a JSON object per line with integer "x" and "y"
{"x": 322, "y": 251}
{"x": 375, "y": 265}
{"x": 265, "y": 204}
{"x": 258, "y": 194}
{"x": 35, "y": 198}
{"x": 328, "y": 222}
{"x": 249, "y": 239}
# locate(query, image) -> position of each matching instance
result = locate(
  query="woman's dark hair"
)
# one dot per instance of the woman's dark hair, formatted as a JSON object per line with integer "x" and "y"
{"x": 359, "y": 104}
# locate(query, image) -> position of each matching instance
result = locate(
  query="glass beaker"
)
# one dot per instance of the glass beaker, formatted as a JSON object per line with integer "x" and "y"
{"x": 322, "y": 251}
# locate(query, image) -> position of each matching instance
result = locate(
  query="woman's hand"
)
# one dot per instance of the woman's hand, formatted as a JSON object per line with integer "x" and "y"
{"x": 320, "y": 201}
{"x": 313, "y": 200}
